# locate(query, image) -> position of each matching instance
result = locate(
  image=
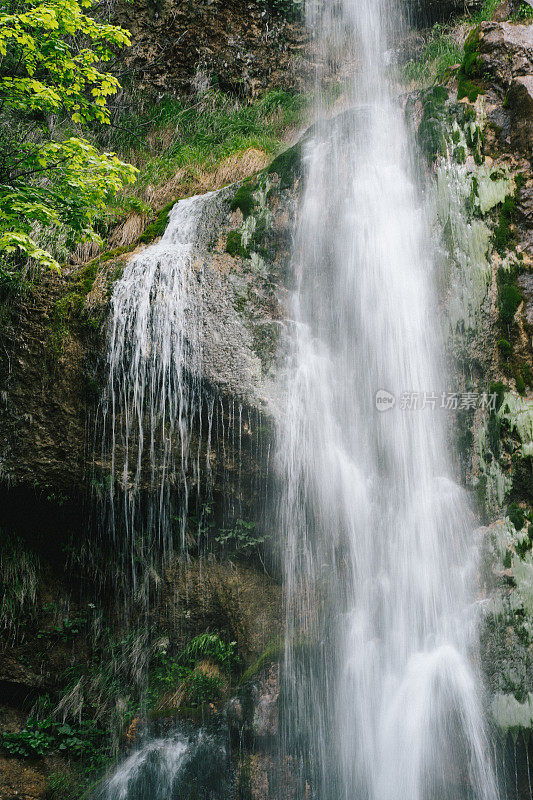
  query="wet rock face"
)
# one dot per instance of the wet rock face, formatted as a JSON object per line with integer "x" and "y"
{"x": 504, "y": 60}
{"x": 521, "y": 103}
{"x": 241, "y": 46}
{"x": 52, "y": 364}
{"x": 427, "y": 12}
{"x": 506, "y": 51}
{"x": 43, "y": 393}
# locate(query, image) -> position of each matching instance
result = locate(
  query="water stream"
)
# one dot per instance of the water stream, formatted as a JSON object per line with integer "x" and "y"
{"x": 382, "y": 696}
{"x": 382, "y": 683}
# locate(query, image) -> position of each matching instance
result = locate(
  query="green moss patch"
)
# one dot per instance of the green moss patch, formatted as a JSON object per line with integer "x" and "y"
{"x": 270, "y": 655}
{"x": 504, "y": 237}
{"x": 234, "y": 245}
{"x": 470, "y": 75}
{"x": 244, "y": 199}
{"x": 158, "y": 227}
{"x": 287, "y": 166}
{"x": 432, "y": 126}
{"x": 509, "y": 297}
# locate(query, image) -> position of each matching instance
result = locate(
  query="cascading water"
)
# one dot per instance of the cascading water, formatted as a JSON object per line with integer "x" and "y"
{"x": 153, "y": 395}
{"x": 184, "y": 764}
{"x": 382, "y": 691}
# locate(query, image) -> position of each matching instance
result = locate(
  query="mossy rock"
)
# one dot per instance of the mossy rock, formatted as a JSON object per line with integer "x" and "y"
{"x": 470, "y": 76}
{"x": 244, "y": 199}
{"x": 234, "y": 245}
{"x": 158, "y": 227}
{"x": 270, "y": 655}
{"x": 431, "y": 131}
{"x": 287, "y": 166}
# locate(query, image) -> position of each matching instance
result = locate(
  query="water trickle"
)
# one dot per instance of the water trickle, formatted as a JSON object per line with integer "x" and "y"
{"x": 383, "y": 694}
{"x": 181, "y": 765}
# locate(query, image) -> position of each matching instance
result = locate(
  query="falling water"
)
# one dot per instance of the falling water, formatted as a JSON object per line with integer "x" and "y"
{"x": 383, "y": 693}
{"x": 153, "y": 399}
{"x": 184, "y": 764}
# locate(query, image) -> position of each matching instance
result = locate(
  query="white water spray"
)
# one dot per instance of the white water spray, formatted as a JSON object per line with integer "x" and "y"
{"x": 153, "y": 395}
{"x": 383, "y": 697}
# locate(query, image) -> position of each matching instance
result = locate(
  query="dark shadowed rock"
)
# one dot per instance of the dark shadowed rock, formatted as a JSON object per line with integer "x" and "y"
{"x": 521, "y": 104}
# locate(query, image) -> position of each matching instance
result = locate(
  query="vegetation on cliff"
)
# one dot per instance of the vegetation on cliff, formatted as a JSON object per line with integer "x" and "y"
{"x": 53, "y": 182}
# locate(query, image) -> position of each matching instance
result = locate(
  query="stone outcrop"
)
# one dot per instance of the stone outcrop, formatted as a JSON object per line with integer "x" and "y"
{"x": 53, "y": 343}
{"x": 502, "y": 57}
{"x": 240, "y": 46}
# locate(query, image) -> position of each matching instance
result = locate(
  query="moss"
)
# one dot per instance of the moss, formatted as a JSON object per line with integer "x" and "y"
{"x": 520, "y": 181}
{"x": 505, "y": 348}
{"x": 234, "y": 245}
{"x": 459, "y": 155}
{"x": 287, "y": 166}
{"x": 500, "y": 390}
{"x": 520, "y": 384}
{"x": 503, "y": 235}
{"x": 469, "y": 77}
{"x": 244, "y": 199}
{"x": 431, "y": 129}
{"x": 118, "y": 251}
{"x": 527, "y": 374}
{"x": 273, "y": 653}
{"x": 158, "y": 227}
{"x": 509, "y": 299}
{"x": 522, "y": 488}
{"x": 516, "y": 515}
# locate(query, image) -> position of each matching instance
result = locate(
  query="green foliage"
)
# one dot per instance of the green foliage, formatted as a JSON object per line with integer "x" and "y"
{"x": 486, "y": 12}
{"x": 241, "y": 538}
{"x": 203, "y": 688}
{"x": 439, "y": 54}
{"x": 192, "y": 136}
{"x": 503, "y": 235}
{"x": 291, "y": 9}
{"x": 41, "y": 737}
{"x": 210, "y": 647}
{"x": 66, "y": 630}
{"x": 61, "y": 786}
{"x": 19, "y": 572}
{"x": 523, "y": 12}
{"x": 472, "y": 69}
{"x": 49, "y": 70}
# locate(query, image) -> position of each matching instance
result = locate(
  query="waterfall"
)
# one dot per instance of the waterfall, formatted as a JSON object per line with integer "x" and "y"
{"x": 153, "y": 398}
{"x": 184, "y": 764}
{"x": 382, "y": 687}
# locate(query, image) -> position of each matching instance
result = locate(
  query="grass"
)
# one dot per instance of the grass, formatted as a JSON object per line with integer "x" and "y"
{"x": 443, "y": 49}
{"x": 440, "y": 53}
{"x": 180, "y": 141}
